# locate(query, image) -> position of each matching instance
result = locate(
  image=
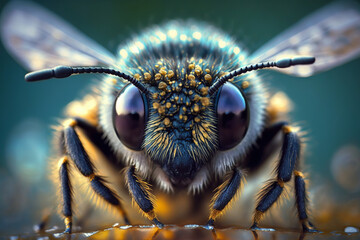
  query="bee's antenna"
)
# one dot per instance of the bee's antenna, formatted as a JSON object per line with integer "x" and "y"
{"x": 282, "y": 63}
{"x": 65, "y": 71}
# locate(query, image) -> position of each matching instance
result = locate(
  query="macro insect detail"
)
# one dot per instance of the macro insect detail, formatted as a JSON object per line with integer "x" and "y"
{"x": 181, "y": 108}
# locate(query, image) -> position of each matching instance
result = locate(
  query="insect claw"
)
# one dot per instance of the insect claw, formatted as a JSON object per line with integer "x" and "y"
{"x": 158, "y": 223}
{"x": 67, "y": 230}
{"x": 254, "y": 227}
{"x": 210, "y": 224}
{"x": 309, "y": 228}
{"x": 126, "y": 220}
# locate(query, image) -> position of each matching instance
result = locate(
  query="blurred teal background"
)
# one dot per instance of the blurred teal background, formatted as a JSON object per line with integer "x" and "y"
{"x": 326, "y": 105}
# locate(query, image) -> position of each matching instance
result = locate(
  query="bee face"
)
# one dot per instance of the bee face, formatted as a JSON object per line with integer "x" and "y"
{"x": 181, "y": 128}
{"x": 181, "y": 121}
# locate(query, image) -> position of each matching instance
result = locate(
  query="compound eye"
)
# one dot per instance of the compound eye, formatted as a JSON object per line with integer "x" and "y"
{"x": 129, "y": 117}
{"x": 233, "y": 116}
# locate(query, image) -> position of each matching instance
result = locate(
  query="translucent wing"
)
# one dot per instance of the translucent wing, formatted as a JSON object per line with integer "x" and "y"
{"x": 39, "y": 39}
{"x": 332, "y": 35}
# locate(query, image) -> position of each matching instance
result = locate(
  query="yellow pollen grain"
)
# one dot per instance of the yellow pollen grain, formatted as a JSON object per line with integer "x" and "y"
{"x": 196, "y": 108}
{"x": 167, "y": 122}
{"x": 161, "y": 110}
{"x": 156, "y": 65}
{"x": 198, "y": 71}
{"x": 162, "y": 72}
{"x": 184, "y": 109}
{"x": 162, "y": 85}
{"x": 208, "y": 77}
{"x": 137, "y": 76}
{"x": 185, "y": 118}
{"x": 205, "y": 101}
{"x": 157, "y": 76}
{"x": 176, "y": 98}
{"x": 197, "y": 119}
{"x": 159, "y": 63}
{"x": 207, "y": 70}
{"x": 191, "y": 92}
{"x": 245, "y": 84}
{"x": 147, "y": 76}
{"x": 191, "y": 66}
{"x": 171, "y": 74}
{"x": 191, "y": 77}
{"x": 162, "y": 93}
{"x": 180, "y": 116}
{"x": 192, "y": 83}
{"x": 204, "y": 91}
{"x": 168, "y": 105}
{"x": 156, "y": 105}
{"x": 155, "y": 95}
{"x": 197, "y": 98}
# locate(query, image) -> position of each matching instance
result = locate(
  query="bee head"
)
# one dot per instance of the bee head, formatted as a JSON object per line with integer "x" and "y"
{"x": 180, "y": 134}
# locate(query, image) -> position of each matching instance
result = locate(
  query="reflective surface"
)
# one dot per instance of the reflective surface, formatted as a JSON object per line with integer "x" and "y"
{"x": 196, "y": 232}
{"x": 233, "y": 117}
{"x": 129, "y": 117}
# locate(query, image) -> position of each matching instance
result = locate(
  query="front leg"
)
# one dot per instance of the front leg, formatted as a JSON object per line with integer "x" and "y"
{"x": 73, "y": 149}
{"x": 224, "y": 194}
{"x": 140, "y": 192}
{"x": 289, "y": 157}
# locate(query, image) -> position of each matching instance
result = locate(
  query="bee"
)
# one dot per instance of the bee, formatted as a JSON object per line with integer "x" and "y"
{"x": 181, "y": 108}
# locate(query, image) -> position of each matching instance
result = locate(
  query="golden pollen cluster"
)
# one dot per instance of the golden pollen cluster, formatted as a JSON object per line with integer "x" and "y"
{"x": 181, "y": 91}
{"x": 180, "y": 105}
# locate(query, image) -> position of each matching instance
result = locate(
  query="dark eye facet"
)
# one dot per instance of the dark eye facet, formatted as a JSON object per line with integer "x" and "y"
{"x": 129, "y": 117}
{"x": 233, "y": 116}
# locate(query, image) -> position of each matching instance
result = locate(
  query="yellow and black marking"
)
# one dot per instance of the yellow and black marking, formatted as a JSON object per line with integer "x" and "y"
{"x": 67, "y": 194}
{"x": 225, "y": 193}
{"x": 302, "y": 201}
{"x": 73, "y": 148}
{"x": 140, "y": 192}
{"x": 289, "y": 157}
